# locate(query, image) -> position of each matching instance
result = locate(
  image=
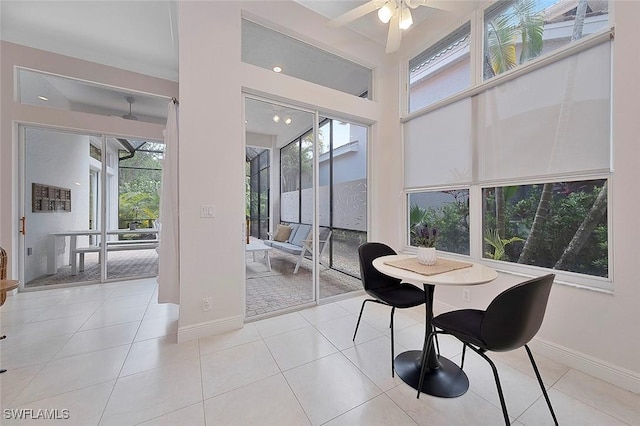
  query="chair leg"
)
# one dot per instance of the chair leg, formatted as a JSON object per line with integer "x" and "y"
{"x": 360, "y": 316}
{"x": 497, "y": 379}
{"x": 544, "y": 391}
{"x": 426, "y": 347}
{"x": 435, "y": 336}
{"x": 464, "y": 350}
{"x": 393, "y": 310}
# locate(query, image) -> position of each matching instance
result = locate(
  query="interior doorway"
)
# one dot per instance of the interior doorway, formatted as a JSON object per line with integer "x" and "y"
{"x": 86, "y": 198}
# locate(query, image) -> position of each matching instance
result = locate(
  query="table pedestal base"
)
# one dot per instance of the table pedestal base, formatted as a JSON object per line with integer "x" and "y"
{"x": 446, "y": 381}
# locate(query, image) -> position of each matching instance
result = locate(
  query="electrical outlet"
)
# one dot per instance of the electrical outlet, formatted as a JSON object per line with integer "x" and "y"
{"x": 206, "y": 304}
{"x": 466, "y": 295}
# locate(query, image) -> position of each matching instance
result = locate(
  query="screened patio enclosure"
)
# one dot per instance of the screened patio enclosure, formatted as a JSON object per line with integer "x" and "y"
{"x": 280, "y": 189}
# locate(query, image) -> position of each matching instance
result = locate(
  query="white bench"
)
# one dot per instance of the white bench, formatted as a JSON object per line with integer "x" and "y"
{"x": 120, "y": 245}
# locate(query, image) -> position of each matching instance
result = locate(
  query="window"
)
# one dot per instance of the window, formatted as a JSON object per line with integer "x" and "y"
{"x": 559, "y": 225}
{"x": 440, "y": 71}
{"x": 517, "y": 31}
{"x": 447, "y": 212}
{"x": 269, "y": 49}
{"x": 258, "y": 175}
{"x": 531, "y": 149}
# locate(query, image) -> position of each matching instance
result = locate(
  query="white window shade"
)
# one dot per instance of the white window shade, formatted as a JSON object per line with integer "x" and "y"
{"x": 437, "y": 147}
{"x": 552, "y": 121}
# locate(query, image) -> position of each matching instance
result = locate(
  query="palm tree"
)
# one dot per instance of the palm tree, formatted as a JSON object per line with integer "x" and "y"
{"x": 522, "y": 21}
{"x": 535, "y": 234}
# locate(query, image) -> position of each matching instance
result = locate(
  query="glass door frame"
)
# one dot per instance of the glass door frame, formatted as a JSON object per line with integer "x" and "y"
{"x": 103, "y": 188}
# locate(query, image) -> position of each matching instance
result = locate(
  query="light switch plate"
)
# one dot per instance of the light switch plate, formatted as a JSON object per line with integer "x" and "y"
{"x": 207, "y": 210}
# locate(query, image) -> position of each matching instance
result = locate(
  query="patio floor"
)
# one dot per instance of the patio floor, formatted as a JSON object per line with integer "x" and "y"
{"x": 280, "y": 289}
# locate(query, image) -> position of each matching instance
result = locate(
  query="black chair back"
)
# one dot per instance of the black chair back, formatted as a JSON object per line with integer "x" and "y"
{"x": 514, "y": 317}
{"x": 372, "y": 279}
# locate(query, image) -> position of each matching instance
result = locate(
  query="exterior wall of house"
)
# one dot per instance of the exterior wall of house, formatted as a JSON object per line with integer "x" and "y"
{"x": 14, "y": 113}
{"x": 592, "y": 331}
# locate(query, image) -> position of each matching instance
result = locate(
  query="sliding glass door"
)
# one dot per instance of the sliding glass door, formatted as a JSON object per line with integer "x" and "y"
{"x": 317, "y": 206}
{"x": 75, "y": 190}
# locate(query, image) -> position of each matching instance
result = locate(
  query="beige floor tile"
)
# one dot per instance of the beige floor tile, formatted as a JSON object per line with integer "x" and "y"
{"x": 380, "y": 411}
{"x": 75, "y": 372}
{"x": 156, "y": 327}
{"x": 192, "y": 415}
{"x": 164, "y": 310}
{"x": 468, "y": 409}
{"x": 13, "y": 381}
{"x": 134, "y": 288}
{"x": 280, "y": 324}
{"x": 373, "y": 358}
{"x": 153, "y": 393}
{"x": 569, "y": 412}
{"x": 105, "y": 317}
{"x": 69, "y": 310}
{"x": 51, "y": 328}
{"x": 617, "y": 402}
{"x": 267, "y": 402}
{"x": 232, "y": 368}
{"x": 322, "y": 313}
{"x": 98, "y": 338}
{"x": 329, "y": 387}
{"x": 353, "y": 304}
{"x": 298, "y": 347}
{"x": 19, "y": 351}
{"x": 21, "y": 317}
{"x": 83, "y": 406}
{"x": 247, "y": 334}
{"x": 156, "y": 353}
{"x": 340, "y": 331}
{"x": 126, "y": 301}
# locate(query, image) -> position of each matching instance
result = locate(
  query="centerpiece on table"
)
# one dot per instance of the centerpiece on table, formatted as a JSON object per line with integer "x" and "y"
{"x": 425, "y": 238}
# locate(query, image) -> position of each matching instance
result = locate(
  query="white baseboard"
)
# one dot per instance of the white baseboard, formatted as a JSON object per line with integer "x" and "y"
{"x": 600, "y": 369}
{"x": 209, "y": 328}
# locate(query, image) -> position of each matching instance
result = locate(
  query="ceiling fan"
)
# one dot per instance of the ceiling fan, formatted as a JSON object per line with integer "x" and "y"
{"x": 397, "y": 13}
{"x": 130, "y": 100}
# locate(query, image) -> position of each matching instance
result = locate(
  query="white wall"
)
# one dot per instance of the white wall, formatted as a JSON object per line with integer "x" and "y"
{"x": 212, "y": 142}
{"x": 593, "y": 331}
{"x": 57, "y": 159}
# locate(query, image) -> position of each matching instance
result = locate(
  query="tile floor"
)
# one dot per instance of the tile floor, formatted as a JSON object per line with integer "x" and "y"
{"x": 105, "y": 354}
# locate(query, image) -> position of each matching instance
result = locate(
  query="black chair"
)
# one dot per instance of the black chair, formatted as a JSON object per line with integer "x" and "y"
{"x": 510, "y": 321}
{"x": 384, "y": 289}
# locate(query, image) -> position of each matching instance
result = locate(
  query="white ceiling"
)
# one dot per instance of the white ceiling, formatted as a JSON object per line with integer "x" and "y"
{"x": 139, "y": 36}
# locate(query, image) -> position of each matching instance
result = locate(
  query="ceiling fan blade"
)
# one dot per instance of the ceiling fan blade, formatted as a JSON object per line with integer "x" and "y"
{"x": 354, "y": 14}
{"x": 435, "y": 4}
{"x": 394, "y": 35}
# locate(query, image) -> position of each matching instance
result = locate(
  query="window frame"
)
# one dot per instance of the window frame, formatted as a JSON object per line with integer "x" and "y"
{"x": 479, "y": 85}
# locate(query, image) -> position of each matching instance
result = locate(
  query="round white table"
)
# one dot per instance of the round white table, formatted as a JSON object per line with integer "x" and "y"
{"x": 442, "y": 377}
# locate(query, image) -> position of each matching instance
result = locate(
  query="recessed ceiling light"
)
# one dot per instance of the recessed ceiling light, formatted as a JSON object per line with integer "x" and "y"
{"x": 43, "y": 98}
{"x": 276, "y": 118}
{"x": 277, "y": 69}
{"x": 78, "y": 183}
{"x": 287, "y": 120}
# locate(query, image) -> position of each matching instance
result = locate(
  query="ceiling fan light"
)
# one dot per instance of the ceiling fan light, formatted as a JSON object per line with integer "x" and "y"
{"x": 386, "y": 12}
{"x": 406, "y": 20}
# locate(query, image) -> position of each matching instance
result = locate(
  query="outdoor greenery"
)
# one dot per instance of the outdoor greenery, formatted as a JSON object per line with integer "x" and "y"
{"x": 139, "y": 186}
{"x": 573, "y": 236}
{"x": 450, "y": 218}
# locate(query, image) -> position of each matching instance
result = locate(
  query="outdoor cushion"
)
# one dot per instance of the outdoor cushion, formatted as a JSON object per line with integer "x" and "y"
{"x": 294, "y": 228}
{"x": 301, "y": 234}
{"x": 282, "y": 233}
{"x": 286, "y": 247}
